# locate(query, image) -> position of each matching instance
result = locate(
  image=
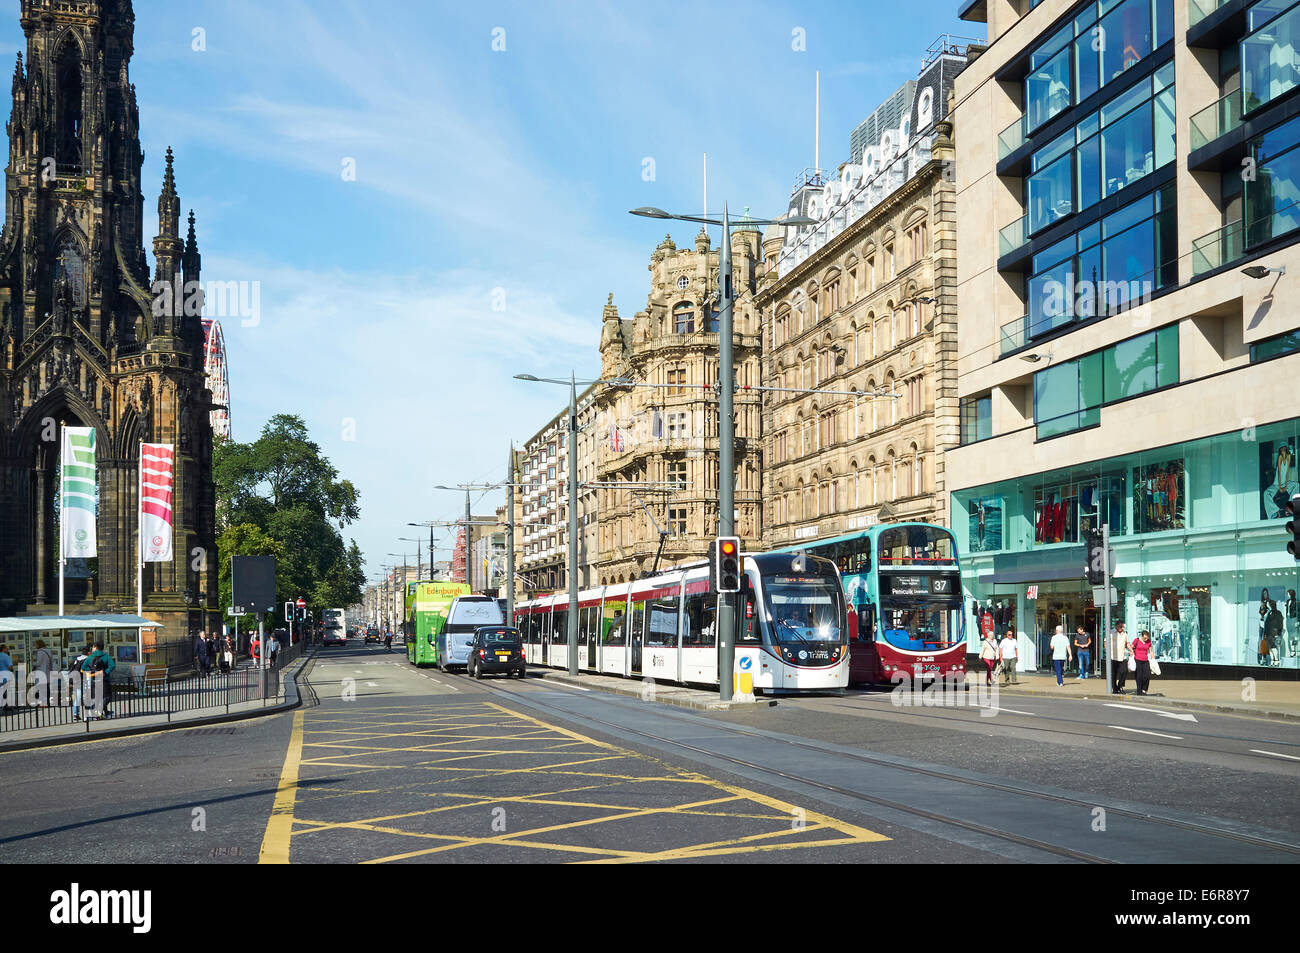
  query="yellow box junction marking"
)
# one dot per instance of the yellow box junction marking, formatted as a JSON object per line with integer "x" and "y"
{"x": 458, "y": 739}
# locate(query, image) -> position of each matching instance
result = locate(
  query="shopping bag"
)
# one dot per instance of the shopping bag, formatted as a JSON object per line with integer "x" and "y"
{"x": 1155, "y": 667}
{"x": 1132, "y": 664}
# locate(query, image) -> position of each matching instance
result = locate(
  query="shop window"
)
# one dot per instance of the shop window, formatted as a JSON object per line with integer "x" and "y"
{"x": 985, "y": 524}
{"x": 1066, "y": 512}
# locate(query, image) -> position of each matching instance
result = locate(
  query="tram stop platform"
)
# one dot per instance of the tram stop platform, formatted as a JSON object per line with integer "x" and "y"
{"x": 1254, "y": 697}
{"x": 648, "y": 689}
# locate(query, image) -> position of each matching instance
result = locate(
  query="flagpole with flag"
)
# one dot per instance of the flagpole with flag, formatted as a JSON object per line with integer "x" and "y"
{"x": 139, "y": 549}
{"x": 154, "y": 513}
{"x": 63, "y": 508}
{"x": 77, "y": 497}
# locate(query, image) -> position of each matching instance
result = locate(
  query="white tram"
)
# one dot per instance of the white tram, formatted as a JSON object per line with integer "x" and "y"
{"x": 792, "y": 626}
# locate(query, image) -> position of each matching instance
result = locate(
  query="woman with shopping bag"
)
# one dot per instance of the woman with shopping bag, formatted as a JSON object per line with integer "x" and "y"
{"x": 989, "y": 656}
{"x": 1140, "y": 661}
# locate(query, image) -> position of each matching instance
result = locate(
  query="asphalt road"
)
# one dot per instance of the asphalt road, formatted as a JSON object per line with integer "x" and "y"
{"x": 399, "y": 765}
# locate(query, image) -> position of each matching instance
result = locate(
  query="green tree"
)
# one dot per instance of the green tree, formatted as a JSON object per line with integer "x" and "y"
{"x": 285, "y": 489}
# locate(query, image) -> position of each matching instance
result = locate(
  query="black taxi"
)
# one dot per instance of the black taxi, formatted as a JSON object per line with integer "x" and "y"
{"x": 496, "y": 649}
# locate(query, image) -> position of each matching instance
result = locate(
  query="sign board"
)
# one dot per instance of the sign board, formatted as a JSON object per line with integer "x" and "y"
{"x": 301, "y": 603}
{"x": 236, "y": 611}
{"x": 931, "y": 587}
{"x": 1031, "y": 592}
{"x": 252, "y": 582}
{"x": 1099, "y": 596}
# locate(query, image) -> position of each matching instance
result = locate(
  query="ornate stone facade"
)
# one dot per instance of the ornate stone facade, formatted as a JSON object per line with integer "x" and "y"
{"x": 870, "y": 311}
{"x": 668, "y": 433}
{"x": 81, "y": 342}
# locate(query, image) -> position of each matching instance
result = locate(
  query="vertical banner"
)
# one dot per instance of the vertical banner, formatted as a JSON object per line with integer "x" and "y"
{"x": 77, "y": 516}
{"x": 157, "y": 461}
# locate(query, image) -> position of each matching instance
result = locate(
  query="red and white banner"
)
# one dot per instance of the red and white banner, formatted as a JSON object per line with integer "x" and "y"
{"x": 157, "y": 461}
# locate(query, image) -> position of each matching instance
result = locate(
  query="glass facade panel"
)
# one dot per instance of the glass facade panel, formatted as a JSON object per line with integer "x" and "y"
{"x": 1283, "y": 344}
{"x": 1070, "y": 396}
{"x": 1125, "y": 38}
{"x": 1047, "y": 90}
{"x": 1127, "y": 150}
{"x": 1195, "y": 527}
{"x": 1051, "y": 194}
{"x": 1269, "y": 65}
{"x": 976, "y": 419}
{"x": 1272, "y": 199}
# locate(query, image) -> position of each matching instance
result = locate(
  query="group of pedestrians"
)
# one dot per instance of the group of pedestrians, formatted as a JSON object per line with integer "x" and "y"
{"x": 210, "y": 652}
{"x": 1137, "y": 657}
{"x": 1000, "y": 658}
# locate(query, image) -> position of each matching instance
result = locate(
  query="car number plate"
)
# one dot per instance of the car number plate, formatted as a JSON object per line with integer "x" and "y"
{"x": 503, "y": 655}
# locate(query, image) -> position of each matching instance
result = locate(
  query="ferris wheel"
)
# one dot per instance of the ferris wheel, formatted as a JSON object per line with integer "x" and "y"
{"x": 214, "y": 367}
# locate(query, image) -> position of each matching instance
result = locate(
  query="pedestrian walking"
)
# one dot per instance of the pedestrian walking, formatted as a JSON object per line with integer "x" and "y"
{"x": 101, "y": 666}
{"x": 1142, "y": 656}
{"x": 989, "y": 656}
{"x": 1061, "y": 653}
{"x": 214, "y": 652}
{"x": 1083, "y": 647}
{"x": 78, "y": 679}
{"x": 201, "y": 654}
{"x": 8, "y": 689}
{"x": 228, "y": 656}
{"x": 43, "y": 663}
{"x": 273, "y": 647}
{"x": 255, "y": 650}
{"x": 1119, "y": 653}
{"x": 1009, "y": 653}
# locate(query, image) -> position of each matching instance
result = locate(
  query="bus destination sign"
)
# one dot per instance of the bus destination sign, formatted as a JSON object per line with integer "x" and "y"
{"x": 939, "y": 587}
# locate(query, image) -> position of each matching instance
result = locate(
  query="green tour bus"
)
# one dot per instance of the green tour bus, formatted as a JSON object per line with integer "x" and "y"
{"x": 426, "y": 614}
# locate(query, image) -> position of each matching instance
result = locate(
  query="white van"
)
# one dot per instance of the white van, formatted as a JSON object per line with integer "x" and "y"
{"x": 464, "y": 616}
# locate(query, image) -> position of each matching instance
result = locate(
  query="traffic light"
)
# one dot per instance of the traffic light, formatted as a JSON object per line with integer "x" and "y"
{"x": 1097, "y": 558}
{"x": 728, "y": 555}
{"x": 1293, "y": 525}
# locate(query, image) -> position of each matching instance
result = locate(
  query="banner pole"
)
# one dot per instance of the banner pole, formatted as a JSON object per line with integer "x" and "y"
{"x": 139, "y": 545}
{"x": 63, "y": 507}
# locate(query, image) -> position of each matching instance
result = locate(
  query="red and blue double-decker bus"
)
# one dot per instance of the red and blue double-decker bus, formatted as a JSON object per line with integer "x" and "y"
{"x": 903, "y": 587}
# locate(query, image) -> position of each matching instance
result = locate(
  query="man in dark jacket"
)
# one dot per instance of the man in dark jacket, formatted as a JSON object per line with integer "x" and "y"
{"x": 201, "y": 656}
{"x": 99, "y": 665}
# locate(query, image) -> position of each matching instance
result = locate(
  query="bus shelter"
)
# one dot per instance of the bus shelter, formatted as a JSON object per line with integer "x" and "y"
{"x": 124, "y": 637}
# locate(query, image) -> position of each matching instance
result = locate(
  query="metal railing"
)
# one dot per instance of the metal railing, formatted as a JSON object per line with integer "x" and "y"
{"x": 1216, "y": 120}
{"x": 75, "y": 697}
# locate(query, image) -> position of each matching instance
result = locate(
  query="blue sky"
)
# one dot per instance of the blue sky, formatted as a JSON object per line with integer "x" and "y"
{"x": 475, "y": 170}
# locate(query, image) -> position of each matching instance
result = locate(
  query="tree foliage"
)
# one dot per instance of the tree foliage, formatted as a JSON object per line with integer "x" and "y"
{"x": 280, "y": 496}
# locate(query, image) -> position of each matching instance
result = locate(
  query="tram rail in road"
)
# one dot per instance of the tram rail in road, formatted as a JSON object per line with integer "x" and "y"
{"x": 1143, "y": 831}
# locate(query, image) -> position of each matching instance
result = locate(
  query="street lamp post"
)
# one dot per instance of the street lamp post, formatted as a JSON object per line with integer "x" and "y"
{"x": 573, "y": 509}
{"x": 726, "y": 424}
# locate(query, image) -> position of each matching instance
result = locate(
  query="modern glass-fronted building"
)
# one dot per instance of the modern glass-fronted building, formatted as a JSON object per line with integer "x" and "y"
{"x": 1129, "y": 345}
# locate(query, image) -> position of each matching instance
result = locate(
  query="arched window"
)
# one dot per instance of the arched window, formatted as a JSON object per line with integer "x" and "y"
{"x": 684, "y": 318}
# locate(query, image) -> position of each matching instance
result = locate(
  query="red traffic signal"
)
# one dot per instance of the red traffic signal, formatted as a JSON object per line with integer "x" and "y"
{"x": 728, "y": 569}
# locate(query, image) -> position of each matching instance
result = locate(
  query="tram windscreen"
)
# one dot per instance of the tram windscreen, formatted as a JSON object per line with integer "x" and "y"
{"x": 922, "y": 628}
{"x": 804, "y": 608}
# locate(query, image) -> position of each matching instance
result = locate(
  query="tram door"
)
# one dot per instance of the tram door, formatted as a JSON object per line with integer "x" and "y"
{"x": 636, "y": 635}
{"x": 591, "y": 618}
